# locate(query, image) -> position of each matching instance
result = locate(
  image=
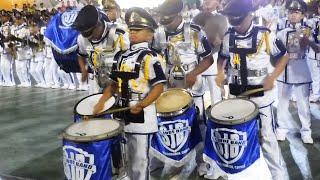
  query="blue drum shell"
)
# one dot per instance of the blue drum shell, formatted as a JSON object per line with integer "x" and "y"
{"x": 88, "y": 159}
{"x": 233, "y": 147}
{"x": 181, "y": 147}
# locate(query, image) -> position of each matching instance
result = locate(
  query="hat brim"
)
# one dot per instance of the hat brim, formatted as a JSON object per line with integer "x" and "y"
{"x": 139, "y": 27}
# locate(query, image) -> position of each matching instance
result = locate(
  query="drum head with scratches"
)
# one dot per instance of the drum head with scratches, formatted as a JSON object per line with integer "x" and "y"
{"x": 173, "y": 100}
{"x": 86, "y": 105}
{"x": 92, "y": 130}
{"x": 233, "y": 111}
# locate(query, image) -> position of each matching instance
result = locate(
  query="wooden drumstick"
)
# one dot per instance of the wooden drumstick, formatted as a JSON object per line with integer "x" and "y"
{"x": 114, "y": 111}
{"x": 249, "y": 92}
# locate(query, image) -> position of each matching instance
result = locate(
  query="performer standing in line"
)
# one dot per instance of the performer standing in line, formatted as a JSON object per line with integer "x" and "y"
{"x": 248, "y": 49}
{"x": 139, "y": 77}
{"x": 98, "y": 43}
{"x": 296, "y": 78}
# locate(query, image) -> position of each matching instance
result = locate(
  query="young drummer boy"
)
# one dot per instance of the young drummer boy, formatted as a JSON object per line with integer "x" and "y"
{"x": 139, "y": 77}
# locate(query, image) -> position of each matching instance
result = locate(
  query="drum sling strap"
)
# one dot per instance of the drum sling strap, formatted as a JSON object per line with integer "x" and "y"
{"x": 241, "y": 53}
{"x": 123, "y": 84}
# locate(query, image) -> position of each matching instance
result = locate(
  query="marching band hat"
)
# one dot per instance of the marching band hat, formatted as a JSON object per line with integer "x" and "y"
{"x": 138, "y": 18}
{"x": 169, "y": 10}
{"x": 237, "y": 8}
{"x": 297, "y": 5}
{"x": 86, "y": 20}
{"x": 170, "y": 7}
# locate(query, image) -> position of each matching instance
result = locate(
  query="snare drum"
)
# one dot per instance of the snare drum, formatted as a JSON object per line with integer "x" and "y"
{"x": 84, "y": 107}
{"x": 178, "y": 131}
{"x": 87, "y": 149}
{"x": 232, "y": 137}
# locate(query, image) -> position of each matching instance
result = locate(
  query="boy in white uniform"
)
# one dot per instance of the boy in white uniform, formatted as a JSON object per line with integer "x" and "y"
{"x": 139, "y": 76}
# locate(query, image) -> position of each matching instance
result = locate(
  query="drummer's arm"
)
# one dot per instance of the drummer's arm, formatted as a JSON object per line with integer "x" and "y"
{"x": 107, "y": 93}
{"x": 83, "y": 69}
{"x": 149, "y": 99}
{"x": 221, "y": 63}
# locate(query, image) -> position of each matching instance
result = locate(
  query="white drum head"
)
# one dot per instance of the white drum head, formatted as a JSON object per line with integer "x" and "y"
{"x": 86, "y": 105}
{"x": 233, "y": 111}
{"x": 92, "y": 130}
{"x": 173, "y": 100}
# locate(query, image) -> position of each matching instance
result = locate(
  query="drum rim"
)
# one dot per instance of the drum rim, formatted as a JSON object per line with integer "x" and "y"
{"x": 175, "y": 113}
{"x": 237, "y": 121}
{"x": 99, "y": 137}
{"x": 90, "y": 116}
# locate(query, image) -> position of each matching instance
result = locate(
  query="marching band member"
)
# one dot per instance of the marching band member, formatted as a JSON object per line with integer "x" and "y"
{"x": 98, "y": 43}
{"x": 139, "y": 77}
{"x": 188, "y": 43}
{"x": 248, "y": 49}
{"x": 296, "y": 78}
{"x": 214, "y": 25}
{"x": 7, "y": 51}
{"x": 314, "y": 59}
{"x": 37, "y": 61}
{"x": 188, "y": 54}
{"x": 21, "y": 34}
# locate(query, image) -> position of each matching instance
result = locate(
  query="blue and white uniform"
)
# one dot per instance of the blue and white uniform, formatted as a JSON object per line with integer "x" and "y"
{"x": 24, "y": 54}
{"x": 314, "y": 61}
{"x": 6, "y": 63}
{"x": 151, "y": 73}
{"x": 191, "y": 45}
{"x": 113, "y": 40}
{"x": 249, "y": 64}
{"x": 296, "y": 79}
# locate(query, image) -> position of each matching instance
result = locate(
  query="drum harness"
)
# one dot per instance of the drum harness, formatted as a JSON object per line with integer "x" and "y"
{"x": 126, "y": 93}
{"x": 99, "y": 57}
{"x": 178, "y": 71}
{"x": 240, "y": 86}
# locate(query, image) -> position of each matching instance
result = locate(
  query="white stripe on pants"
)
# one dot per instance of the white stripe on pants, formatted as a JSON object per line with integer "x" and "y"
{"x": 138, "y": 156}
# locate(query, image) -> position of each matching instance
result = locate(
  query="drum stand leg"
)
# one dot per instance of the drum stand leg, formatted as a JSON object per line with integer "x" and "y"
{"x": 123, "y": 167}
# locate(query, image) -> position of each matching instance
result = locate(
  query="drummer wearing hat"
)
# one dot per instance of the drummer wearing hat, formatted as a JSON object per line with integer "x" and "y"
{"x": 248, "y": 49}
{"x": 97, "y": 35}
{"x": 187, "y": 42}
{"x": 147, "y": 85}
{"x": 296, "y": 78}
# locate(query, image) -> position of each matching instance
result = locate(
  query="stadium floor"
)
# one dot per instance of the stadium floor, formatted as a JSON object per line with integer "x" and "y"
{"x": 32, "y": 118}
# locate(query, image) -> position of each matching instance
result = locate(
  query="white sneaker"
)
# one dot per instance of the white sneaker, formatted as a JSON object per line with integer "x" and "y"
{"x": 37, "y": 85}
{"x": 65, "y": 86}
{"x": 307, "y": 139}
{"x": 72, "y": 87}
{"x": 56, "y": 86}
{"x": 281, "y": 136}
{"x": 314, "y": 99}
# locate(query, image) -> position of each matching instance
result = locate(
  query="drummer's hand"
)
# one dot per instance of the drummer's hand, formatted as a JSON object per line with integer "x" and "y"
{"x": 268, "y": 83}
{"x": 136, "y": 109}
{"x": 98, "y": 108}
{"x": 219, "y": 80}
{"x": 84, "y": 76}
{"x": 304, "y": 42}
{"x": 190, "y": 79}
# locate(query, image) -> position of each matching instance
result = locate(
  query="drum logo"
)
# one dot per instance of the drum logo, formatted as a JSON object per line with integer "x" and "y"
{"x": 78, "y": 164}
{"x": 229, "y": 144}
{"x": 174, "y": 134}
{"x": 67, "y": 18}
